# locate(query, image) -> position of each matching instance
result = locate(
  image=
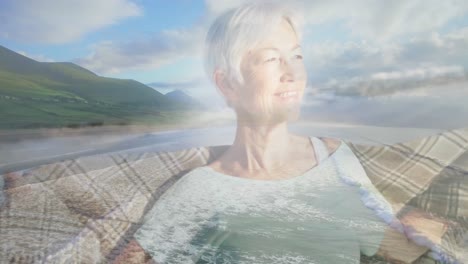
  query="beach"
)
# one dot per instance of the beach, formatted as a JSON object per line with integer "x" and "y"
{"x": 27, "y": 149}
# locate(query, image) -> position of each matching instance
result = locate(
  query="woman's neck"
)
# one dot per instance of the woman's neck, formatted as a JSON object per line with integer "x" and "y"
{"x": 259, "y": 149}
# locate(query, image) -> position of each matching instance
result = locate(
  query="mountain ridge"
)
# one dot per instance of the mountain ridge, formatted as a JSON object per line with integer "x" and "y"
{"x": 36, "y": 94}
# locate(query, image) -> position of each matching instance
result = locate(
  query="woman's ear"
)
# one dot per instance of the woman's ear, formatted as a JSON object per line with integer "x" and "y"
{"x": 224, "y": 86}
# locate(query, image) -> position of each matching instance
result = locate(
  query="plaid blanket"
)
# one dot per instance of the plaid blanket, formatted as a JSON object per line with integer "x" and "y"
{"x": 86, "y": 210}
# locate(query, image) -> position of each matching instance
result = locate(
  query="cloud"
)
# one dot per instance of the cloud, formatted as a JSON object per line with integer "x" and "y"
{"x": 388, "y": 36}
{"x": 382, "y": 21}
{"x": 163, "y": 48}
{"x": 447, "y": 112}
{"x": 448, "y": 48}
{"x": 364, "y": 57}
{"x": 425, "y": 81}
{"x": 57, "y": 22}
{"x": 420, "y": 74}
{"x": 363, "y": 67}
{"x": 373, "y": 20}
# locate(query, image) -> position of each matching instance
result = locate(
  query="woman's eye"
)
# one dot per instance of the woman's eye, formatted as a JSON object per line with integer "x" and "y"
{"x": 298, "y": 56}
{"x": 271, "y": 59}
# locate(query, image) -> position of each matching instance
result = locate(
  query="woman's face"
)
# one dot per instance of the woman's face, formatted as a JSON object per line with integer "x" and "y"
{"x": 274, "y": 79}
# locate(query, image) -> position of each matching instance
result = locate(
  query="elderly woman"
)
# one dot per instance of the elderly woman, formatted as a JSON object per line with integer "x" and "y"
{"x": 273, "y": 196}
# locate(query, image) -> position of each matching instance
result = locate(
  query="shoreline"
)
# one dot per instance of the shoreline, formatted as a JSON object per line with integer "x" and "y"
{"x": 38, "y": 147}
{"x": 9, "y": 135}
{"x": 38, "y": 133}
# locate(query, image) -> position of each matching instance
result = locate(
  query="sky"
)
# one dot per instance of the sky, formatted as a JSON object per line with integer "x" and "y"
{"x": 355, "y": 47}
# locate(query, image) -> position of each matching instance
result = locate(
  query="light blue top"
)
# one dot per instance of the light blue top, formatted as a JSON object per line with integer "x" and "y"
{"x": 329, "y": 214}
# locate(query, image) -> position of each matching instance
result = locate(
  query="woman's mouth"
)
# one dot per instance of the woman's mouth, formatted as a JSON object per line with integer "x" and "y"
{"x": 288, "y": 96}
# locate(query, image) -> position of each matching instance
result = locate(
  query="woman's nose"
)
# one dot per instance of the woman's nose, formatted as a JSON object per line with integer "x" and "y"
{"x": 287, "y": 74}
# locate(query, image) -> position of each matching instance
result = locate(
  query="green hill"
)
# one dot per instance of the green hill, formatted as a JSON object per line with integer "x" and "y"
{"x": 181, "y": 97}
{"x": 54, "y": 94}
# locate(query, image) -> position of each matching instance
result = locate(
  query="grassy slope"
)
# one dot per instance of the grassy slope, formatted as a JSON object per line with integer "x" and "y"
{"x": 36, "y": 94}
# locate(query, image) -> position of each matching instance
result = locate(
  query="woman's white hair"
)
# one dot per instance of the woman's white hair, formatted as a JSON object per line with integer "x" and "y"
{"x": 236, "y": 31}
